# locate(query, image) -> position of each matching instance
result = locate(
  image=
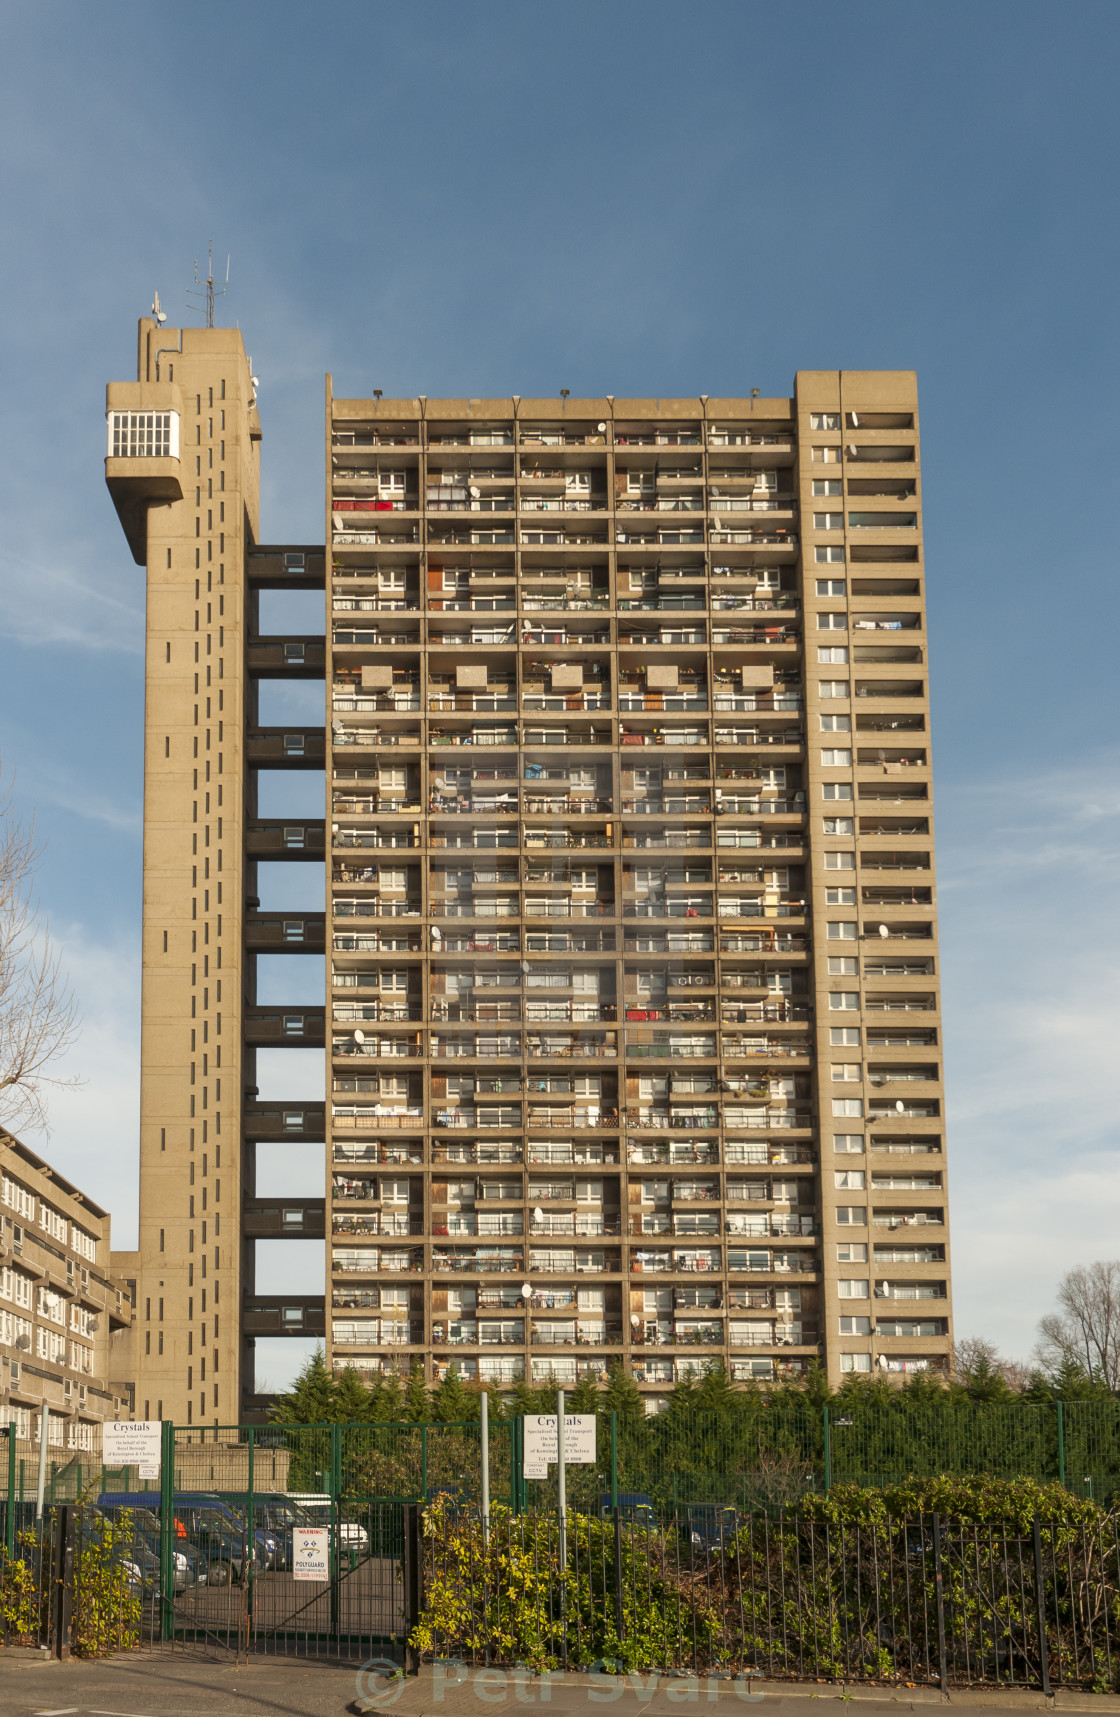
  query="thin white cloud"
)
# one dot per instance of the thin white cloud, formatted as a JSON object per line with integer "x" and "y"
{"x": 48, "y": 604}
{"x": 1031, "y": 972}
{"x": 94, "y": 1138}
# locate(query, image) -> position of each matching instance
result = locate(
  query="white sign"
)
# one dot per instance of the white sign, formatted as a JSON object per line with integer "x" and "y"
{"x": 311, "y": 1553}
{"x": 148, "y": 1470}
{"x": 132, "y": 1443}
{"x": 540, "y": 1442}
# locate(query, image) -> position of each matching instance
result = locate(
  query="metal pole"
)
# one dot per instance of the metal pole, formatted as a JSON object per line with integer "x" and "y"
{"x": 827, "y": 1451}
{"x": 12, "y": 1490}
{"x": 1061, "y": 1445}
{"x": 1040, "y": 1609}
{"x": 614, "y": 1460}
{"x": 561, "y": 1480}
{"x": 167, "y": 1525}
{"x": 562, "y": 1510}
{"x": 44, "y": 1417}
{"x": 484, "y": 1452}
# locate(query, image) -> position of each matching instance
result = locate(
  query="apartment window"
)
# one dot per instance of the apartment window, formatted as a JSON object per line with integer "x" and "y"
{"x": 851, "y": 1215}
{"x": 839, "y": 861}
{"x": 836, "y": 723}
{"x": 825, "y": 455}
{"x": 824, "y": 420}
{"x": 832, "y": 653}
{"x": 836, "y": 790}
{"x": 842, "y": 930}
{"x": 835, "y": 688}
{"x": 843, "y": 965}
{"x": 832, "y": 621}
{"x": 840, "y": 896}
{"x": 854, "y": 1288}
{"x": 843, "y": 1036}
{"x": 144, "y": 435}
{"x": 828, "y": 486}
{"x": 829, "y": 554}
{"x": 846, "y": 1072}
{"x": 847, "y": 1108}
{"x": 855, "y": 1361}
{"x": 855, "y": 1326}
{"x": 836, "y": 759}
{"x": 843, "y": 1001}
{"x": 848, "y": 1144}
{"x": 831, "y": 586}
{"x": 828, "y": 521}
{"x": 851, "y": 1252}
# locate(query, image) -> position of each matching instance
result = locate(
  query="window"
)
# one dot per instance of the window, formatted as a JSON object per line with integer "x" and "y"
{"x": 855, "y": 1326}
{"x": 831, "y": 554}
{"x": 824, "y": 420}
{"x": 832, "y": 621}
{"x": 840, "y": 896}
{"x": 835, "y": 688}
{"x": 828, "y": 486}
{"x": 851, "y": 1252}
{"x": 855, "y": 1361}
{"x": 839, "y": 826}
{"x": 825, "y": 455}
{"x": 850, "y": 1108}
{"x": 854, "y": 1288}
{"x": 848, "y": 1144}
{"x": 832, "y": 653}
{"x": 845, "y": 1072}
{"x": 843, "y": 1001}
{"x": 844, "y": 1036}
{"x": 836, "y": 790}
{"x": 836, "y": 723}
{"x": 831, "y": 586}
{"x": 843, "y": 965}
{"x": 851, "y": 1215}
{"x": 839, "y": 861}
{"x": 836, "y": 759}
{"x": 143, "y": 435}
{"x": 829, "y": 521}
{"x": 842, "y": 930}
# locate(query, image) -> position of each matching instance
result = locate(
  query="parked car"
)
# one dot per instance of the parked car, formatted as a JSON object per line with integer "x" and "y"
{"x": 634, "y": 1506}
{"x": 316, "y": 1509}
{"x": 206, "y": 1525}
{"x": 709, "y": 1525}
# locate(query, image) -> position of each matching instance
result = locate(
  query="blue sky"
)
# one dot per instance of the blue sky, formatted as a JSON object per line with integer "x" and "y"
{"x": 642, "y": 198}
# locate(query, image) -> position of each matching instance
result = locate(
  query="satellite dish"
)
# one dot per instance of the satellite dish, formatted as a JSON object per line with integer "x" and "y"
{"x": 635, "y": 1319}
{"x": 475, "y": 490}
{"x": 855, "y": 420}
{"x": 883, "y": 931}
{"x": 900, "y": 1106}
{"x": 538, "y": 1214}
{"x": 602, "y": 428}
{"x": 526, "y": 1290}
{"x": 337, "y": 724}
{"x": 359, "y": 1037}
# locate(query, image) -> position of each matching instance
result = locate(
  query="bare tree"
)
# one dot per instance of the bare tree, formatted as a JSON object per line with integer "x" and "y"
{"x": 1086, "y": 1328}
{"x": 976, "y": 1359}
{"x": 38, "y": 1016}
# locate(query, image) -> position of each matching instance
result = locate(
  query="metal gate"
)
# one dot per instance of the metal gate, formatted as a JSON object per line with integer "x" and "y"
{"x": 242, "y": 1595}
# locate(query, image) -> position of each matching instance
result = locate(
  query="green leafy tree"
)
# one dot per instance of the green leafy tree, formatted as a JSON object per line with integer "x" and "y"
{"x": 311, "y": 1399}
{"x": 452, "y": 1401}
{"x": 417, "y": 1402}
{"x": 351, "y": 1404}
{"x": 622, "y": 1394}
{"x": 586, "y": 1397}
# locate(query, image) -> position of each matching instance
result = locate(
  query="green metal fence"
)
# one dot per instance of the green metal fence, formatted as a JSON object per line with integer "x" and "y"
{"x": 764, "y": 1453}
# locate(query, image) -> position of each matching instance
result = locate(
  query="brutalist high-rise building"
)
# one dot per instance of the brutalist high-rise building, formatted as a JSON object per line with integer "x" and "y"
{"x": 631, "y": 1022}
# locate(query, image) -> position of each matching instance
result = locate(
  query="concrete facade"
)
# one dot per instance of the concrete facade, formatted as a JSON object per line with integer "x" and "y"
{"x": 65, "y": 1315}
{"x": 630, "y": 931}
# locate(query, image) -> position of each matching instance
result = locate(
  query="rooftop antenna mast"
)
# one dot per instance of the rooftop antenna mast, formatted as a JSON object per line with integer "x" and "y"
{"x": 205, "y": 290}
